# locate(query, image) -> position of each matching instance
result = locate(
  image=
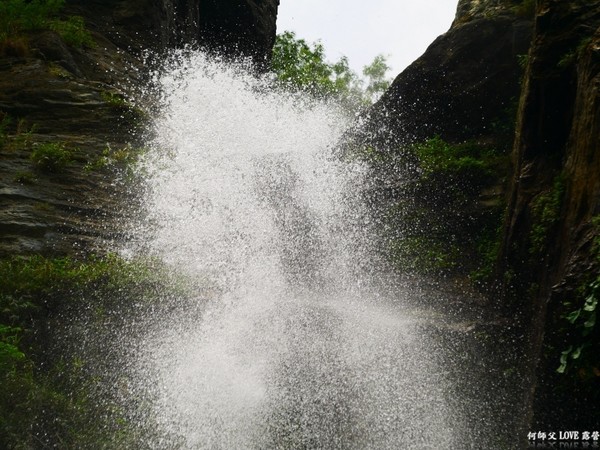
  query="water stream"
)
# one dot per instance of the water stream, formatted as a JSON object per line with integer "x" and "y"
{"x": 298, "y": 338}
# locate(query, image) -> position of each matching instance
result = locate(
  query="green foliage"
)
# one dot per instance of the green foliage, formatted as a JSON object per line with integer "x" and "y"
{"x": 523, "y": 60}
{"x": 21, "y": 16}
{"x": 525, "y": 8}
{"x": 50, "y": 399}
{"x": 73, "y": 31}
{"x": 113, "y": 99}
{"x": 375, "y": 74}
{"x": 122, "y": 160}
{"x": 301, "y": 65}
{"x": 582, "y": 354}
{"x": 579, "y": 319}
{"x": 468, "y": 165}
{"x": 10, "y": 355}
{"x": 545, "y": 210}
{"x": 130, "y": 113}
{"x": 51, "y": 157}
{"x": 437, "y": 223}
{"x": 298, "y": 64}
{"x": 571, "y": 56}
{"x": 17, "y": 16}
{"x": 424, "y": 254}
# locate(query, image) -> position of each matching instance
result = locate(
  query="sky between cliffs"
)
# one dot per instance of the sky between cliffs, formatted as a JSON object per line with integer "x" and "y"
{"x": 362, "y": 29}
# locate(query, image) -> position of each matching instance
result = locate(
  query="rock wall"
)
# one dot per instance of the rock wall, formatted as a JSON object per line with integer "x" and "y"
{"x": 460, "y": 85}
{"x": 550, "y": 254}
{"x": 80, "y": 102}
{"x": 235, "y": 28}
{"x": 545, "y": 57}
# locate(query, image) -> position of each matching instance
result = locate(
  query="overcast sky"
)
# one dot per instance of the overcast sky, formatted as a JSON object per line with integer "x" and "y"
{"x": 362, "y": 29}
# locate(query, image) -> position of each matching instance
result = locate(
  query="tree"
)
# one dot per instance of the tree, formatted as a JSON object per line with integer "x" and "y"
{"x": 303, "y": 66}
{"x": 375, "y": 73}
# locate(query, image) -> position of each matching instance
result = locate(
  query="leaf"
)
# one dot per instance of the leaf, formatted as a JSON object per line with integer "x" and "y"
{"x": 591, "y": 322}
{"x": 573, "y": 316}
{"x": 565, "y": 354}
{"x": 590, "y": 303}
{"x": 577, "y": 352}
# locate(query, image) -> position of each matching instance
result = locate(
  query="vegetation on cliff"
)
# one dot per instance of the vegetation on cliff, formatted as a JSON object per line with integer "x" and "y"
{"x": 439, "y": 206}
{"x": 20, "y": 17}
{"x": 54, "y": 385}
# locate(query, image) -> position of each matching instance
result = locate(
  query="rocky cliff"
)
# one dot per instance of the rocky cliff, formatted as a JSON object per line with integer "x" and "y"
{"x": 236, "y": 28}
{"x": 70, "y": 124}
{"x": 546, "y": 261}
{"x": 461, "y": 84}
{"x": 550, "y": 254}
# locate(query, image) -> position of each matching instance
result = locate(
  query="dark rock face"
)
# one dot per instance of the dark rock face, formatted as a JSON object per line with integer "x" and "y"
{"x": 457, "y": 88}
{"x": 550, "y": 247}
{"x": 50, "y": 101}
{"x": 245, "y": 28}
{"x": 234, "y": 28}
{"x": 557, "y": 153}
{"x": 81, "y": 99}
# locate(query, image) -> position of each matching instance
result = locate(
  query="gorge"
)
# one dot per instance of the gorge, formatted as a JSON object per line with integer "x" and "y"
{"x": 192, "y": 258}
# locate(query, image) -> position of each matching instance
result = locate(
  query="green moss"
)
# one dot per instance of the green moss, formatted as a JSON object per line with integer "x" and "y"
{"x": 51, "y": 157}
{"x": 50, "y": 398}
{"x": 121, "y": 159}
{"x": 56, "y": 70}
{"x": 18, "y": 17}
{"x": 545, "y": 211}
{"x": 115, "y": 100}
{"x": 420, "y": 254}
{"x": 439, "y": 224}
{"x": 525, "y": 8}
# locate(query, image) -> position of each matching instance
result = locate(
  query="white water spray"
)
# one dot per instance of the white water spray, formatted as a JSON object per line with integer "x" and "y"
{"x": 292, "y": 343}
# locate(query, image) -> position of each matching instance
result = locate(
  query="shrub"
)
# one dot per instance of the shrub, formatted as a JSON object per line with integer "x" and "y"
{"x": 51, "y": 157}
{"x": 73, "y": 31}
{"x": 17, "y": 16}
{"x": 20, "y": 16}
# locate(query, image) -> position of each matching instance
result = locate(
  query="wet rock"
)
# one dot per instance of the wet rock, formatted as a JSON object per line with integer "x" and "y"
{"x": 81, "y": 99}
{"x": 457, "y": 88}
{"x": 233, "y": 28}
{"x": 556, "y": 152}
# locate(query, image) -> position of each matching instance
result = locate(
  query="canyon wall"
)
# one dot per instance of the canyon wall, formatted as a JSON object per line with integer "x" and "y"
{"x": 78, "y": 104}
{"x": 541, "y": 59}
{"x": 550, "y": 255}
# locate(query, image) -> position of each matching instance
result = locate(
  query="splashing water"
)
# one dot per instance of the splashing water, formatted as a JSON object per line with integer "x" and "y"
{"x": 293, "y": 342}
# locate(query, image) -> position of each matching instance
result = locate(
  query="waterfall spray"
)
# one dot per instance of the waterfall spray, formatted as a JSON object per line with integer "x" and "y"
{"x": 291, "y": 342}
